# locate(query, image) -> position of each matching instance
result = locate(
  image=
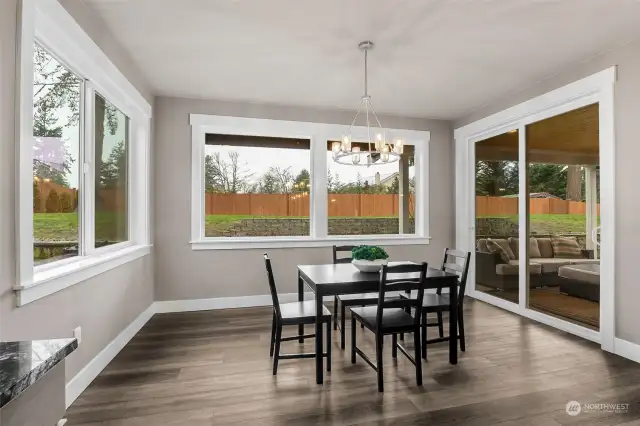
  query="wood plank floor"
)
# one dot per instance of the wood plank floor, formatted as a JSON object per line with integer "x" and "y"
{"x": 213, "y": 368}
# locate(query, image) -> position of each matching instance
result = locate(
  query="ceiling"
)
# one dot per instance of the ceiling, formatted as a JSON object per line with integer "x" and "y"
{"x": 569, "y": 138}
{"x": 433, "y": 58}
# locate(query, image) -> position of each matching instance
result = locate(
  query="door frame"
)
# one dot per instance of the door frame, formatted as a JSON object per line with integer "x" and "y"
{"x": 596, "y": 88}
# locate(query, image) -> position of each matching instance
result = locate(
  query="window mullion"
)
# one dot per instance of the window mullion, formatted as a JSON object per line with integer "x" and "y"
{"x": 87, "y": 194}
{"x": 318, "y": 200}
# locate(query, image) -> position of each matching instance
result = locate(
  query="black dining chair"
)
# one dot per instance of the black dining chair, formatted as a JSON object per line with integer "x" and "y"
{"x": 391, "y": 316}
{"x": 344, "y": 301}
{"x": 295, "y": 313}
{"x": 438, "y": 303}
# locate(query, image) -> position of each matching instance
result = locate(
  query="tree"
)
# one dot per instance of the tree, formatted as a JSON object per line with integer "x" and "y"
{"x": 334, "y": 185}
{"x": 66, "y": 203}
{"x": 52, "y": 205}
{"x": 228, "y": 176}
{"x": 574, "y": 183}
{"x": 113, "y": 172}
{"x": 394, "y": 188}
{"x": 37, "y": 208}
{"x": 301, "y": 181}
{"x": 54, "y": 88}
{"x": 496, "y": 178}
{"x": 550, "y": 178}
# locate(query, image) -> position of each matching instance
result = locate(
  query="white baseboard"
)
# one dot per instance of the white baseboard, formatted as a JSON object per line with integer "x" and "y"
{"x": 84, "y": 378}
{"x": 627, "y": 349}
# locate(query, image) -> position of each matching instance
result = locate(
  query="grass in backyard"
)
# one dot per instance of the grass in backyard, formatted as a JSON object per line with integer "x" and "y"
{"x": 64, "y": 226}
{"x": 553, "y": 223}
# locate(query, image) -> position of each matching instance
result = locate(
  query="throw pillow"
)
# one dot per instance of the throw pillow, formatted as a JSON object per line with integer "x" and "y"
{"x": 546, "y": 249}
{"x": 482, "y": 246}
{"x": 566, "y": 248}
{"x": 534, "y": 250}
{"x": 502, "y": 247}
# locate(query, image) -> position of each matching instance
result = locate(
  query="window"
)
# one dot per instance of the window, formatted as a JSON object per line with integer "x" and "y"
{"x": 83, "y": 153}
{"x": 56, "y": 158}
{"x": 111, "y": 147}
{"x": 256, "y": 186}
{"x": 369, "y": 201}
{"x": 259, "y": 183}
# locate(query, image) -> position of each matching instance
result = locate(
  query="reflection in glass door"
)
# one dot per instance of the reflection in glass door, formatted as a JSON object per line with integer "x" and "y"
{"x": 496, "y": 221}
{"x": 563, "y": 216}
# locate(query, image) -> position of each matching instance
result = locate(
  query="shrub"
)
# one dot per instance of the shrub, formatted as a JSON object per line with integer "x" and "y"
{"x": 37, "y": 202}
{"x": 66, "y": 203}
{"x": 369, "y": 253}
{"x": 52, "y": 205}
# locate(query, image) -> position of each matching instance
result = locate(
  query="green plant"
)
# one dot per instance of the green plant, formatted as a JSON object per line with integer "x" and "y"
{"x": 369, "y": 253}
{"x": 52, "y": 204}
{"x": 66, "y": 203}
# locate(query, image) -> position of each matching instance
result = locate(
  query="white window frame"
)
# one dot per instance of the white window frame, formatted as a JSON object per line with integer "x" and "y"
{"x": 318, "y": 134}
{"x": 49, "y": 24}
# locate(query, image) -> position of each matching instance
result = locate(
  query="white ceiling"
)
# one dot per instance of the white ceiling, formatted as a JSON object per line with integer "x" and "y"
{"x": 433, "y": 58}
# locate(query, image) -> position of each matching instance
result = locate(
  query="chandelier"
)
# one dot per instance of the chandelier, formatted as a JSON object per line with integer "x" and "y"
{"x": 378, "y": 149}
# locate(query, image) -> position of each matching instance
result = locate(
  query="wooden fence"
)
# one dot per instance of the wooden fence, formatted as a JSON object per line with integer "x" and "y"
{"x": 112, "y": 199}
{"x": 342, "y": 205}
{"x": 503, "y": 206}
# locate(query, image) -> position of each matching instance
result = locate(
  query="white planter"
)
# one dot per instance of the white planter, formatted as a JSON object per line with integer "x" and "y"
{"x": 371, "y": 266}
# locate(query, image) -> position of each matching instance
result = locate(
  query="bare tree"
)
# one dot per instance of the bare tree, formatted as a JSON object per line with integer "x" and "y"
{"x": 222, "y": 175}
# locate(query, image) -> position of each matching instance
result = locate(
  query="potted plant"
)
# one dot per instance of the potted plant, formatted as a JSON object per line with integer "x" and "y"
{"x": 369, "y": 258}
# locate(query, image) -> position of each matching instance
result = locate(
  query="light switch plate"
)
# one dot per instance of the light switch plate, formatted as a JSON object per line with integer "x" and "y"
{"x": 77, "y": 333}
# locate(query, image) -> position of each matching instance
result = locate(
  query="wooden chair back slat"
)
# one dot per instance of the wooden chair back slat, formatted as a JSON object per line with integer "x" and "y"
{"x": 272, "y": 286}
{"x": 342, "y": 249}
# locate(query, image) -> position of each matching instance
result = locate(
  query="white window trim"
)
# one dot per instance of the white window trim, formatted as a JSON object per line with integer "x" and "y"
{"x": 318, "y": 134}
{"x": 48, "y": 23}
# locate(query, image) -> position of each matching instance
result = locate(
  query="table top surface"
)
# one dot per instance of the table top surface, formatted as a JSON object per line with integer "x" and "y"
{"x": 346, "y": 273}
{"x": 22, "y": 363}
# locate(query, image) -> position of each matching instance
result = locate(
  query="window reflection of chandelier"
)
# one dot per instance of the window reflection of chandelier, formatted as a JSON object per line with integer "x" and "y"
{"x": 379, "y": 151}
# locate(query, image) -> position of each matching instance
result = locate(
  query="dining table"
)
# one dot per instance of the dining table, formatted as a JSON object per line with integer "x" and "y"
{"x": 336, "y": 279}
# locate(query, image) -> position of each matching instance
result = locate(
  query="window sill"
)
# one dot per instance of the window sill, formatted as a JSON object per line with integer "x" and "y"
{"x": 296, "y": 242}
{"x": 55, "y": 279}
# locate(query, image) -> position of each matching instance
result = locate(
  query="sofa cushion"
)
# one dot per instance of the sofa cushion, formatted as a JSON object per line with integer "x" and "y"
{"x": 566, "y": 248}
{"x": 501, "y": 246}
{"x": 534, "y": 251}
{"x": 550, "y": 265}
{"x": 481, "y": 246}
{"x": 545, "y": 247}
{"x": 513, "y": 268}
{"x": 589, "y": 273}
{"x": 585, "y": 261}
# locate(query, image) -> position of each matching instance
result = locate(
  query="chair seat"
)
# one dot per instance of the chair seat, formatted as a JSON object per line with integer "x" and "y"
{"x": 365, "y": 297}
{"x": 436, "y": 301}
{"x": 302, "y": 312}
{"x": 393, "y": 320}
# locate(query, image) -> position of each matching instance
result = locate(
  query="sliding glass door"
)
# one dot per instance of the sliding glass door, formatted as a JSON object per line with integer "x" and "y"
{"x": 536, "y": 222}
{"x": 562, "y": 163}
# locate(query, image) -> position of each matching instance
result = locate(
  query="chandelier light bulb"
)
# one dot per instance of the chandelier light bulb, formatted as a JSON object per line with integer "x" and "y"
{"x": 346, "y": 143}
{"x": 399, "y": 146}
{"x": 378, "y": 141}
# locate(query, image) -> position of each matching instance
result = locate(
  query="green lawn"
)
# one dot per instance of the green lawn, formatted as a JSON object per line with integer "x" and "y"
{"x": 554, "y": 223}
{"x": 64, "y": 226}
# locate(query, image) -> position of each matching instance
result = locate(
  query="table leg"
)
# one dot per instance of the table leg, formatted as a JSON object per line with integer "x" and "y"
{"x": 319, "y": 372}
{"x": 300, "y": 299}
{"x": 453, "y": 322}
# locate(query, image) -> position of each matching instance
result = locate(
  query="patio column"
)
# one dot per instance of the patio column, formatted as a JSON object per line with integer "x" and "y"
{"x": 403, "y": 194}
{"x": 591, "y": 198}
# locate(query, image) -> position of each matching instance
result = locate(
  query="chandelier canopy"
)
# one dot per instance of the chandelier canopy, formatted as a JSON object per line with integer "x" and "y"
{"x": 378, "y": 149}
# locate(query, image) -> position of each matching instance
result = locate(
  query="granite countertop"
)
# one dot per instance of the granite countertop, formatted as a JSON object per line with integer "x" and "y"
{"x": 22, "y": 363}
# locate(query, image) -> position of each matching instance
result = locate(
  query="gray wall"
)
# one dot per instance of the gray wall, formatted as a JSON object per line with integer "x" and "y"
{"x": 185, "y": 274}
{"x": 103, "y": 305}
{"x": 627, "y": 174}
